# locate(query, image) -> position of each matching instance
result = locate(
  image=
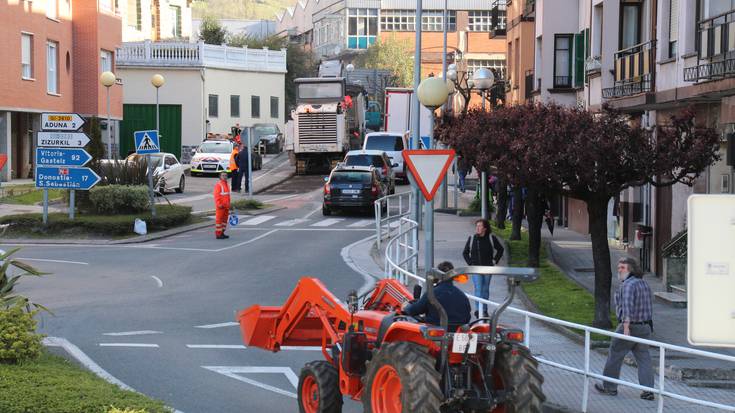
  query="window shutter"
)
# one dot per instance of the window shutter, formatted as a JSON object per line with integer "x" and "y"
{"x": 579, "y": 59}
{"x": 674, "y": 21}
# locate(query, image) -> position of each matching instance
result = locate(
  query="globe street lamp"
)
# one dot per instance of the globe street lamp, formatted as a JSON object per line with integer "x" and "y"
{"x": 107, "y": 79}
{"x": 349, "y": 68}
{"x": 432, "y": 93}
{"x": 483, "y": 80}
{"x": 157, "y": 81}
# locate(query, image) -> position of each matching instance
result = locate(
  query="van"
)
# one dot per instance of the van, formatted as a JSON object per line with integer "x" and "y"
{"x": 393, "y": 144}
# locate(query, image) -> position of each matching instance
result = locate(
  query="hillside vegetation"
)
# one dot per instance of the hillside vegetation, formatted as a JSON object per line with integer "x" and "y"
{"x": 240, "y": 9}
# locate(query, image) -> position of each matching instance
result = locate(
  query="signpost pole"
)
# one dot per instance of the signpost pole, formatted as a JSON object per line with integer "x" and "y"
{"x": 45, "y": 206}
{"x": 429, "y": 215}
{"x": 71, "y": 204}
{"x": 483, "y": 176}
{"x": 416, "y": 120}
{"x": 250, "y": 162}
{"x": 150, "y": 186}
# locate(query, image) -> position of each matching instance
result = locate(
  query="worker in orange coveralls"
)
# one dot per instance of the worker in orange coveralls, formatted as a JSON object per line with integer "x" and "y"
{"x": 222, "y": 205}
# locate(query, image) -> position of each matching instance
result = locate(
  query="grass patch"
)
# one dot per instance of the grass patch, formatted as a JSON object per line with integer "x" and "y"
{"x": 28, "y": 195}
{"x": 553, "y": 293}
{"x": 243, "y": 204}
{"x": 87, "y": 225}
{"x": 51, "y": 384}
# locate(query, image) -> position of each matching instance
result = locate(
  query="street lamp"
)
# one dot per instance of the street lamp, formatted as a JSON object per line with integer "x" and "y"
{"x": 349, "y": 68}
{"x": 483, "y": 80}
{"x": 432, "y": 93}
{"x": 107, "y": 79}
{"x": 157, "y": 81}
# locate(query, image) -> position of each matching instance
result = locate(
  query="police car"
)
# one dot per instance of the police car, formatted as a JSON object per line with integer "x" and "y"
{"x": 213, "y": 157}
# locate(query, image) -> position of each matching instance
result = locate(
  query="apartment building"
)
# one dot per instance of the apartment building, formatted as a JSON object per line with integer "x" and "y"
{"x": 53, "y": 53}
{"x": 344, "y": 28}
{"x": 520, "y": 37}
{"x": 155, "y": 19}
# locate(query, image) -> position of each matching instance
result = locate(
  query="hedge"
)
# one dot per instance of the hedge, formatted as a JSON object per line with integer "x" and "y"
{"x": 168, "y": 216}
{"x": 117, "y": 199}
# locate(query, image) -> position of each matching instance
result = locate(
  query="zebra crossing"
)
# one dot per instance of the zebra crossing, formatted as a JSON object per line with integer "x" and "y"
{"x": 284, "y": 222}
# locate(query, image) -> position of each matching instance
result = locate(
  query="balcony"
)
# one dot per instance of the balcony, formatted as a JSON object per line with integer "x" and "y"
{"x": 182, "y": 54}
{"x": 529, "y": 83}
{"x": 529, "y": 9}
{"x": 634, "y": 71}
{"x": 498, "y": 23}
{"x": 593, "y": 64}
{"x": 716, "y": 44}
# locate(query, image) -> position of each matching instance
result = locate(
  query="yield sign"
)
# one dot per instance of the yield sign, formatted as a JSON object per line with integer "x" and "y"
{"x": 428, "y": 167}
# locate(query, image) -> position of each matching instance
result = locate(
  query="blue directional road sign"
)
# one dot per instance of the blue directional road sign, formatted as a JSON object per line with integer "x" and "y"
{"x": 62, "y": 157}
{"x": 425, "y": 142}
{"x": 146, "y": 141}
{"x": 65, "y": 178}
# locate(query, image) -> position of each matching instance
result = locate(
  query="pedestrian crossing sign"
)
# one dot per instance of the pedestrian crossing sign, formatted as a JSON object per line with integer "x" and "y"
{"x": 146, "y": 141}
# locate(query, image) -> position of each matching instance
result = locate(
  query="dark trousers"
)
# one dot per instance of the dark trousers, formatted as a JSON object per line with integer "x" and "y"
{"x": 618, "y": 350}
{"x": 235, "y": 176}
{"x": 244, "y": 179}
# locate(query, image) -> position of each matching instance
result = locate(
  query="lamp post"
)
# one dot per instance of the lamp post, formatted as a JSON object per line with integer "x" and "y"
{"x": 415, "y": 104}
{"x": 349, "y": 68}
{"x": 157, "y": 81}
{"x": 483, "y": 81}
{"x": 107, "y": 79}
{"x": 432, "y": 93}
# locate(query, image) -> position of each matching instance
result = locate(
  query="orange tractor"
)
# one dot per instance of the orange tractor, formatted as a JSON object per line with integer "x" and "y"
{"x": 395, "y": 363}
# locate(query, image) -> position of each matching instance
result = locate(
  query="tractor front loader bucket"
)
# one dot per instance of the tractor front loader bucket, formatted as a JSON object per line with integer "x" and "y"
{"x": 257, "y": 325}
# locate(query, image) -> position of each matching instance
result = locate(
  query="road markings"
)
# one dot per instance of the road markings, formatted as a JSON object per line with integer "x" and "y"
{"x": 362, "y": 223}
{"x": 133, "y": 333}
{"x": 282, "y": 198}
{"x": 258, "y": 220}
{"x": 259, "y": 237}
{"x": 218, "y": 346}
{"x": 327, "y": 222}
{"x": 58, "y": 261}
{"x": 227, "y": 324}
{"x": 235, "y": 371}
{"x": 319, "y": 208}
{"x": 291, "y": 222}
{"x": 366, "y": 275}
{"x": 147, "y": 345}
{"x": 158, "y": 281}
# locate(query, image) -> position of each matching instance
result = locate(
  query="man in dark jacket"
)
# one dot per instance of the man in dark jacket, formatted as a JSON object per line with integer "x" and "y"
{"x": 242, "y": 166}
{"x": 482, "y": 248}
{"x": 454, "y": 301}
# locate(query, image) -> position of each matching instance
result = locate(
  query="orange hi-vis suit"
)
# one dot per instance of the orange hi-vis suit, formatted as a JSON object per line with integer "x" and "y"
{"x": 222, "y": 205}
{"x": 233, "y": 161}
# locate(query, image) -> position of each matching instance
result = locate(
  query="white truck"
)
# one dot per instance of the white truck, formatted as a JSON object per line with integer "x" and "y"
{"x": 399, "y": 114}
{"x": 328, "y": 121}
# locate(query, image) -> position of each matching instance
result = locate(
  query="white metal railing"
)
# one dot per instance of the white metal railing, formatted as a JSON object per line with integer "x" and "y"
{"x": 388, "y": 210}
{"x": 150, "y": 53}
{"x": 401, "y": 262}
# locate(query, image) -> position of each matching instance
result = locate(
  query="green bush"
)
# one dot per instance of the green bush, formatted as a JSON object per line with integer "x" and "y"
{"x": 51, "y": 384}
{"x": 116, "y": 410}
{"x": 119, "y": 199}
{"x": 18, "y": 339}
{"x": 247, "y": 204}
{"x": 168, "y": 216}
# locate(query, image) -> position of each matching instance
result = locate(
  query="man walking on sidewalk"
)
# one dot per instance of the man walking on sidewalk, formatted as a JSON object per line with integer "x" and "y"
{"x": 482, "y": 249}
{"x": 634, "y": 310}
{"x": 222, "y": 205}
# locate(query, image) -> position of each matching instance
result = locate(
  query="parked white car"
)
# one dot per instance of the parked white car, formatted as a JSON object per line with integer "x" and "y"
{"x": 171, "y": 173}
{"x": 393, "y": 144}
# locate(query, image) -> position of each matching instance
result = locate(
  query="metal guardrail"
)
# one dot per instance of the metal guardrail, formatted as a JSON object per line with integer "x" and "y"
{"x": 401, "y": 262}
{"x": 388, "y": 210}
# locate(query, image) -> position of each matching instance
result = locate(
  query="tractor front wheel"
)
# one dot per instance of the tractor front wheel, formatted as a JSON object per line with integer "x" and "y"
{"x": 518, "y": 370}
{"x": 401, "y": 378}
{"x": 319, "y": 388}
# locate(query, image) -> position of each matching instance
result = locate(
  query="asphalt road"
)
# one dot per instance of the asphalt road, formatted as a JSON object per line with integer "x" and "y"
{"x": 159, "y": 316}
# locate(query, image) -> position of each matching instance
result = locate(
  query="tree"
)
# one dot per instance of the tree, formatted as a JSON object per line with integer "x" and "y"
{"x": 212, "y": 32}
{"x": 391, "y": 54}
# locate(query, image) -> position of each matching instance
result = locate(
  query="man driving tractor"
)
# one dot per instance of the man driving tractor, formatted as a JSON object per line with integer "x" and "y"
{"x": 454, "y": 301}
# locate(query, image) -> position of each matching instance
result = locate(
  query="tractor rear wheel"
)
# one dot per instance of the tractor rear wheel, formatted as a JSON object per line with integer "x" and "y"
{"x": 318, "y": 390}
{"x": 401, "y": 378}
{"x": 518, "y": 370}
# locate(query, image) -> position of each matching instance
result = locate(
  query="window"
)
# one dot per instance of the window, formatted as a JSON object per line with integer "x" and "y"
{"x": 106, "y": 61}
{"x": 107, "y": 5}
{"x": 562, "y": 60}
{"x": 673, "y": 26}
{"x": 630, "y": 25}
{"x": 52, "y": 67}
{"x": 234, "y": 106}
{"x": 175, "y": 21}
{"x": 52, "y": 9}
{"x": 482, "y": 20}
{"x": 497, "y": 64}
{"x": 405, "y": 20}
{"x": 170, "y": 161}
{"x": 213, "y": 106}
{"x": 255, "y": 106}
{"x": 135, "y": 14}
{"x": 26, "y": 55}
{"x": 274, "y": 107}
{"x": 362, "y": 28}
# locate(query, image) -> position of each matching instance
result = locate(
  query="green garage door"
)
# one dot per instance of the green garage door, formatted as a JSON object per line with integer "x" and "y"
{"x": 143, "y": 117}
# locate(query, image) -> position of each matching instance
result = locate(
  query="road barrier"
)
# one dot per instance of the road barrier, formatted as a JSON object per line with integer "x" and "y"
{"x": 401, "y": 262}
{"x": 388, "y": 210}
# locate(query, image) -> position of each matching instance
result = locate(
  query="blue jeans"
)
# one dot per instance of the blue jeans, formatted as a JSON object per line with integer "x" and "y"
{"x": 482, "y": 289}
{"x": 462, "y": 176}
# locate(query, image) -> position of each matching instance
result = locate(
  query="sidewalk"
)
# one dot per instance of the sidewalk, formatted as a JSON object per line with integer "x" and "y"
{"x": 562, "y": 388}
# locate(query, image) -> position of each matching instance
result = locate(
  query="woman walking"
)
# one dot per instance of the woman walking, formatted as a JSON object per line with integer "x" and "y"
{"x": 482, "y": 248}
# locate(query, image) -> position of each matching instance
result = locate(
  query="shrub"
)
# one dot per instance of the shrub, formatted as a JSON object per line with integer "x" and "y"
{"x": 8, "y": 298}
{"x": 18, "y": 339}
{"x": 119, "y": 199}
{"x": 247, "y": 204}
{"x": 116, "y": 410}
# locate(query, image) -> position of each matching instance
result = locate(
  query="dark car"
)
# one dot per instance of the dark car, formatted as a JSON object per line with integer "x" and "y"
{"x": 270, "y": 135}
{"x": 354, "y": 187}
{"x": 377, "y": 159}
